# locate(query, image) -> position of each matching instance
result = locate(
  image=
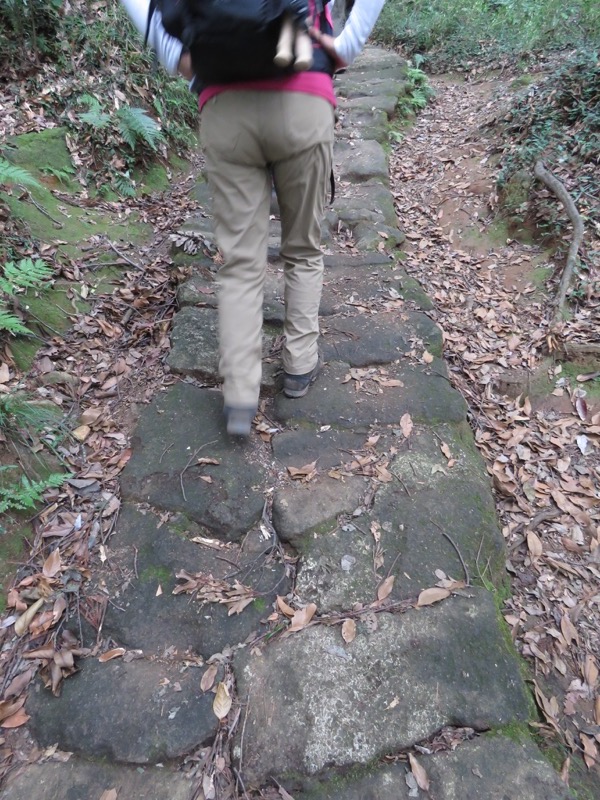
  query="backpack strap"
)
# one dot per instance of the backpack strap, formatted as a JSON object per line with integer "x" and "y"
{"x": 151, "y": 10}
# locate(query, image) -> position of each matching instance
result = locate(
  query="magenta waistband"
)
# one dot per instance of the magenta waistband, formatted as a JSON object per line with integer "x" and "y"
{"x": 315, "y": 83}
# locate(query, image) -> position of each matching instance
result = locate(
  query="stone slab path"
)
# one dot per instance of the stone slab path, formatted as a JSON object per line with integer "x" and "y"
{"x": 392, "y": 500}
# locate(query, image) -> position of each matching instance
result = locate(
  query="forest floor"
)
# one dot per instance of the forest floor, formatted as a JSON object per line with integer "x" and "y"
{"x": 535, "y": 413}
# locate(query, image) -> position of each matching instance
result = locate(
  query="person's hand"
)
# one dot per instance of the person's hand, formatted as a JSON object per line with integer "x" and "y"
{"x": 327, "y": 42}
{"x": 185, "y": 65}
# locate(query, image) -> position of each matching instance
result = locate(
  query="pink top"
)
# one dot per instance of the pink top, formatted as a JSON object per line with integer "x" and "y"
{"x": 316, "y": 83}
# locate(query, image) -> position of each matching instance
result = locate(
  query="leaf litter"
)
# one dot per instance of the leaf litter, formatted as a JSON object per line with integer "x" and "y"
{"x": 543, "y": 455}
{"x": 112, "y": 358}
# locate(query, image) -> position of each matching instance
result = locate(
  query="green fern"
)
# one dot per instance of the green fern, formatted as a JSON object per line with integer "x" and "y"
{"x": 62, "y": 175}
{"x": 11, "y": 175}
{"x": 124, "y": 185}
{"x": 24, "y": 493}
{"x": 96, "y": 118}
{"x": 91, "y": 101}
{"x": 135, "y": 125}
{"x": 9, "y": 323}
{"x": 24, "y": 274}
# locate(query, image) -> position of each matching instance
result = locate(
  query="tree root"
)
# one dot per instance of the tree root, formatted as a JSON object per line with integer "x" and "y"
{"x": 549, "y": 180}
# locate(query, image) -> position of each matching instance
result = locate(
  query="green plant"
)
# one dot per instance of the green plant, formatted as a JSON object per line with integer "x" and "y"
{"x": 455, "y": 31}
{"x": 418, "y": 91}
{"x": 28, "y": 28}
{"x": 17, "y": 276}
{"x": 123, "y": 138}
{"x": 558, "y": 122}
{"x": 10, "y": 175}
{"x": 61, "y": 175}
{"x": 22, "y": 493}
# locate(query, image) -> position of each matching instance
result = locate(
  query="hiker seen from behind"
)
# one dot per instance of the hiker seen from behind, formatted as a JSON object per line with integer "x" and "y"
{"x": 263, "y": 70}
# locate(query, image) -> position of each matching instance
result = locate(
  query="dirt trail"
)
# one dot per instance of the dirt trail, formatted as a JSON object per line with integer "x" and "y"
{"x": 528, "y": 411}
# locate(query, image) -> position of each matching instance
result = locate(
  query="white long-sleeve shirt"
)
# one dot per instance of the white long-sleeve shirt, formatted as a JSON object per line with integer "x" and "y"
{"x": 167, "y": 48}
{"x": 357, "y": 29}
{"x": 348, "y": 44}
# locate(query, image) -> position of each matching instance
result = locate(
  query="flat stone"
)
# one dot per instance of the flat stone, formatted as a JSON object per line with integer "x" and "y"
{"x": 150, "y": 552}
{"x": 300, "y": 508}
{"x": 343, "y": 286}
{"x": 356, "y": 86}
{"x": 432, "y": 501}
{"x": 273, "y": 303}
{"x": 89, "y": 780}
{"x": 199, "y": 290}
{"x": 316, "y": 702}
{"x": 202, "y": 193}
{"x": 367, "y": 237}
{"x": 141, "y": 712}
{"x": 195, "y": 344}
{"x": 426, "y": 395}
{"x": 368, "y": 124}
{"x": 359, "y": 161}
{"x": 370, "y": 202}
{"x": 171, "y": 429}
{"x": 359, "y": 260}
{"x": 377, "y": 59}
{"x": 414, "y": 516}
{"x": 379, "y": 338}
{"x": 336, "y": 568}
{"x": 384, "y": 102}
{"x": 328, "y": 447}
{"x": 489, "y": 767}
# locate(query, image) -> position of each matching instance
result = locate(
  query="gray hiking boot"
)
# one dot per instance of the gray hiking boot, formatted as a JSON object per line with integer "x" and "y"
{"x": 239, "y": 420}
{"x": 298, "y": 385}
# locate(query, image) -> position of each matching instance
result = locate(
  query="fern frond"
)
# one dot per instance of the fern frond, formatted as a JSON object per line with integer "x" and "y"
{"x": 91, "y": 102}
{"x": 97, "y": 119}
{"x": 11, "y": 175}
{"x": 25, "y": 493}
{"x": 124, "y": 186}
{"x": 135, "y": 124}
{"x": 24, "y": 274}
{"x": 9, "y": 323}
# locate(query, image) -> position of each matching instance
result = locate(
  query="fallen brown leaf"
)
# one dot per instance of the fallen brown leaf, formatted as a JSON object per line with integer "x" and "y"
{"x": 22, "y": 624}
{"x": 18, "y": 719}
{"x": 208, "y": 678}
{"x": 385, "y": 588}
{"x": 349, "y": 631}
{"x": 52, "y": 564}
{"x": 116, "y": 652}
{"x": 302, "y": 618}
{"x": 222, "y": 702}
{"x": 406, "y": 425}
{"x": 419, "y": 772}
{"x": 284, "y": 608}
{"x": 430, "y": 596}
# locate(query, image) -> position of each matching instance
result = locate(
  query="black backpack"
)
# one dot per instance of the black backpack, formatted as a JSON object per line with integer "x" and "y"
{"x": 234, "y": 40}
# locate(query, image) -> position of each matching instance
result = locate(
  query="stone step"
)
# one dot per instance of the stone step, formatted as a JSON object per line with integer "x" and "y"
{"x": 314, "y": 702}
{"x": 430, "y": 518}
{"x": 182, "y": 424}
{"x": 140, "y": 712}
{"x": 150, "y": 551}
{"x": 90, "y": 780}
{"x": 425, "y": 393}
{"x": 490, "y": 767}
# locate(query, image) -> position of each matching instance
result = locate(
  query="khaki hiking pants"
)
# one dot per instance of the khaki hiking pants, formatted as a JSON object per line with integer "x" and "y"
{"x": 250, "y": 139}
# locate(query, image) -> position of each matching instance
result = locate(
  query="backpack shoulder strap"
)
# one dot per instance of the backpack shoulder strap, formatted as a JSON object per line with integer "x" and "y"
{"x": 151, "y": 10}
